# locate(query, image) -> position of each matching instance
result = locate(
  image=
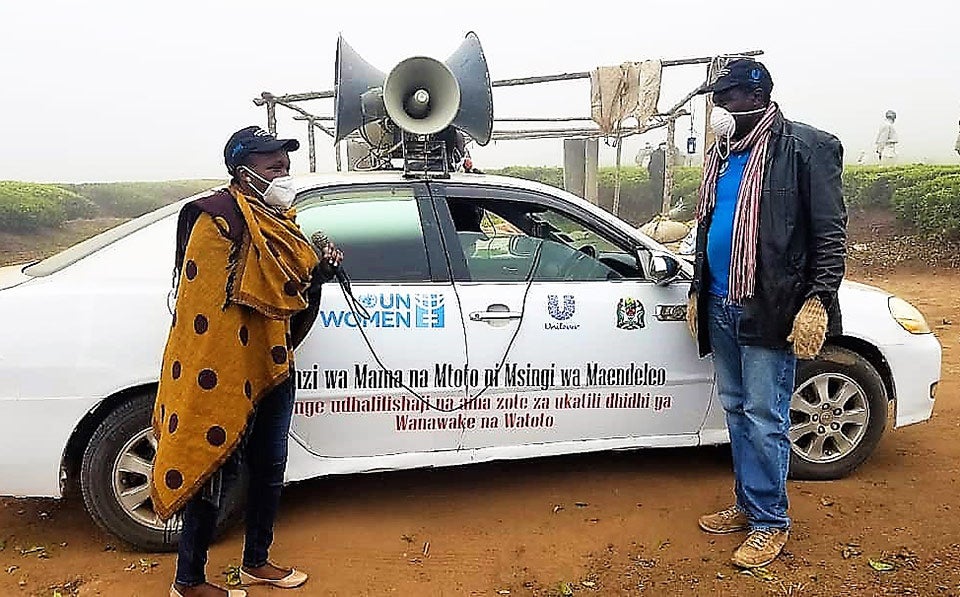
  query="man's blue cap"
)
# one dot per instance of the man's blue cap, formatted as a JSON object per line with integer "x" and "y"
{"x": 744, "y": 73}
{"x": 253, "y": 139}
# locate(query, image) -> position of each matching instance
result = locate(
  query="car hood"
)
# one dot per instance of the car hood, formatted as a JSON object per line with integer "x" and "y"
{"x": 12, "y": 275}
{"x": 851, "y": 286}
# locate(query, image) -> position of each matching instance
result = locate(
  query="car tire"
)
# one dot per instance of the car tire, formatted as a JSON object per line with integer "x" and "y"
{"x": 118, "y": 459}
{"x": 837, "y": 415}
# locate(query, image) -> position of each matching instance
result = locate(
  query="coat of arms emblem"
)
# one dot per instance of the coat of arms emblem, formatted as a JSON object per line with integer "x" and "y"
{"x": 630, "y": 314}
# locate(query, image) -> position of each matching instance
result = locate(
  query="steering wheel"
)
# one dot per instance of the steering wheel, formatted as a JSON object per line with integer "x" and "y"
{"x": 585, "y": 254}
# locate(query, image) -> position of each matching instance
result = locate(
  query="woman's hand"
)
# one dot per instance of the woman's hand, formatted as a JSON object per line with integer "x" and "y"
{"x": 332, "y": 255}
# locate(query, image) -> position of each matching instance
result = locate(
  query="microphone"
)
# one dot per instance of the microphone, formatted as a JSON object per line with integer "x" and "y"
{"x": 320, "y": 240}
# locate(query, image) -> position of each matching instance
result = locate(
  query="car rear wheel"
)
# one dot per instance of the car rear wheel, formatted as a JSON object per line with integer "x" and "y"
{"x": 837, "y": 414}
{"x": 116, "y": 479}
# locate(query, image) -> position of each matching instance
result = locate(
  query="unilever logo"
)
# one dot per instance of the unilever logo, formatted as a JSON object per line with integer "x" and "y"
{"x": 563, "y": 314}
{"x": 553, "y": 307}
{"x": 391, "y": 310}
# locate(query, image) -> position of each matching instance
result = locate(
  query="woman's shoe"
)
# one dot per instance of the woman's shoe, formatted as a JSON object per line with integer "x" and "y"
{"x": 230, "y": 592}
{"x": 291, "y": 581}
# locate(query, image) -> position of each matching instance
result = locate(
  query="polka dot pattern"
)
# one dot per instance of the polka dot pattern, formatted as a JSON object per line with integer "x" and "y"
{"x": 173, "y": 478}
{"x": 247, "y": 390}
{"x": 291, "y": 288}
{"x": 200, "y": 324}
{"x": 207, "y": 379}
{"x": 244, "y": 335}
{"x": 176, "y": 370}
{"x": 174, "y": 423}
{"x": 191, "y": 269}
{"x": 216, "y": 436}
{"x": 279, "y": 354}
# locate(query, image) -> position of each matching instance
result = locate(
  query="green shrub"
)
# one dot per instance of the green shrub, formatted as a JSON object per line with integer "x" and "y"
{"x": 639, "y": 201}
{"x": 926, "y": 197}
{"x": 132, "y": 199}
{"x": 28, "y": 206}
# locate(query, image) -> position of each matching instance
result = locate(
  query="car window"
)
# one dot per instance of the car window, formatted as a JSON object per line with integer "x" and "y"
{"x": 379, "y": 231}
{"x": 509, "y": 241}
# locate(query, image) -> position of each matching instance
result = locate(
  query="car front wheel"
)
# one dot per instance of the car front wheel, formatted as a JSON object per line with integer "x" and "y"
{"x": 837, "y": 414}
{"x": 116, "y": 479}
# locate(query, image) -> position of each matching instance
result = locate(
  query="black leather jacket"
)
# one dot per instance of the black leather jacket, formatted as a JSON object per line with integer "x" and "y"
{"x": 801, "y": 242}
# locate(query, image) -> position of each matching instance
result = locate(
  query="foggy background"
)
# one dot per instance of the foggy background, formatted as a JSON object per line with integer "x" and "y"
{"x": 115, "y": 90}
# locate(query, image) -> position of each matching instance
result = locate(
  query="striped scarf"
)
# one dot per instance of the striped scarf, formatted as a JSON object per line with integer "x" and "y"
{"x": 746, "y": 222}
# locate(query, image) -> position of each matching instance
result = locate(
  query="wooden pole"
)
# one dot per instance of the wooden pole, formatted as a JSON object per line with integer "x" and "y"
{"x": 590, "y": 185}
{"x": 311, "y": 95}
{"x": 312, "y": 145}
{"x": 670, "y": 160}
{"x": 271, "y": 115}
{"x": 616, "y": 184}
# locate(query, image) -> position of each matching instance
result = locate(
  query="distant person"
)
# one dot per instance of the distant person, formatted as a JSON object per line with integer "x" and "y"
{"x": 657, "y": 169}
{"x": 247, "y": 291}
{"x": 769, "y": 261}
{"x": 643, "y": 155}
{"x": 886, "y": 143}
{"x": 956, "y": 146}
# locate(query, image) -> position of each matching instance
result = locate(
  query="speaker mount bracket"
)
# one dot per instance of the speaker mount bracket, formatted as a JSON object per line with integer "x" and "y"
{"x": 424, "y": 156}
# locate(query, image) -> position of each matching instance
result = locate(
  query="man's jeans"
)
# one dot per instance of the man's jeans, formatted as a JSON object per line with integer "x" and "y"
{"x": 755, "y": 385}
{"x": 264, "y": 452}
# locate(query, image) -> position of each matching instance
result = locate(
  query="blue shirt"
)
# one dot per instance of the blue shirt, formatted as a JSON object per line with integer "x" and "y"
{"x": 720, "y": 234}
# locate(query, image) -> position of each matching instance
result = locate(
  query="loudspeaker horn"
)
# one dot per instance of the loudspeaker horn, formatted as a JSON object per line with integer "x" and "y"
{"x": 421, "y": 95}
{"x": 353, "y": 77}
{"x": 469, "y": 67}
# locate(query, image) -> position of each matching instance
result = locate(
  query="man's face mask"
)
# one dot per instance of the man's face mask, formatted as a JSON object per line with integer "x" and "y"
{"x": 723, "y": 123}
{"x": 280, "y": 192}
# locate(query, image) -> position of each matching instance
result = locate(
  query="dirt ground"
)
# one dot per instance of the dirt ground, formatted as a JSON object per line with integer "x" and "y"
{"x": 600, "y": 524}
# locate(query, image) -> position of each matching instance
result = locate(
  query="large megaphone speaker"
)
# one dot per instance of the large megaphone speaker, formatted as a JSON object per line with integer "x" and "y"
{"x": 469, "y": 66}
{"x": 421, "y": 95}
{"x": 355, "y": 80}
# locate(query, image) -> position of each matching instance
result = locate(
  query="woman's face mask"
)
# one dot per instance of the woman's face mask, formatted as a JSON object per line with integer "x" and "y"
{"x": 279, "y": 193}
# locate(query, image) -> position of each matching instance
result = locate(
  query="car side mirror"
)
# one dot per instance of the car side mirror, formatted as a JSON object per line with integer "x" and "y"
{"x": 664, "y": 268}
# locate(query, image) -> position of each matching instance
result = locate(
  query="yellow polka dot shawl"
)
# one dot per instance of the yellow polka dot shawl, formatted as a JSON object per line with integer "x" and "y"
{"x": 229, "y": 344}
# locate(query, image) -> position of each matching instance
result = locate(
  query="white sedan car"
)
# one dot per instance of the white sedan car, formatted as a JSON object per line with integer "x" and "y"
{"x": 493, "y": 318}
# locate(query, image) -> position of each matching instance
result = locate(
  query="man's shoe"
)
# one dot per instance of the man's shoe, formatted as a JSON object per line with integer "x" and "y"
{"x": 291, "y": 581}
{"x": 730, "y": 520}
{"x": 761, "y": 547}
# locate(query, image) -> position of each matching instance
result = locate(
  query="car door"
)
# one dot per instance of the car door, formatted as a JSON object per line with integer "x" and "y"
{"x": 571, "y": 339}
{"x": 366, "y": 386}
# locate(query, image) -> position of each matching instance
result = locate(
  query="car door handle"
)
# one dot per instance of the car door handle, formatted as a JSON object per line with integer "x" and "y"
{"x": 494, "y": 315}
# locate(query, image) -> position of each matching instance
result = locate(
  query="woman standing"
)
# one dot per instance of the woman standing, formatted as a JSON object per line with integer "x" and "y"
{"x": 247, "y": 287}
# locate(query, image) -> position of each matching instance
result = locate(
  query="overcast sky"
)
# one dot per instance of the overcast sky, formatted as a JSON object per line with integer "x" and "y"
{"x": 107, "y": 90}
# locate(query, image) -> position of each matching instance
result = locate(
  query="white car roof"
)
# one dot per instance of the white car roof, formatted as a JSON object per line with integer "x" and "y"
{"x": 306, "y": 182}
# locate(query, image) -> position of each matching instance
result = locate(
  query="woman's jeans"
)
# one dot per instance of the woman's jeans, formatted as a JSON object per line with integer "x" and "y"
{"x": 264, "y": 452}
{"x": 755, "y": 385}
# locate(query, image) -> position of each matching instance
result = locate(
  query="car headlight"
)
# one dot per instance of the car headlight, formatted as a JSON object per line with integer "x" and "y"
{"x": 908, "y": 316}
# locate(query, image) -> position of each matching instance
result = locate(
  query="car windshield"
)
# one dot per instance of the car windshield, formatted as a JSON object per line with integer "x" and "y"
{"x": 71, "y": 255}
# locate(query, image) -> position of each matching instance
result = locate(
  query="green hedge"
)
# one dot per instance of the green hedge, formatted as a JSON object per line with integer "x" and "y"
{"x": 922, "y": 196}
{"x": 28, "y": 206}
{"x": 132, "y": 199}
{"x": 639, "y": 201}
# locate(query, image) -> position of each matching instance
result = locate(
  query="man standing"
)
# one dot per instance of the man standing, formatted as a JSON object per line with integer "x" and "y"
{"x": 769, "y": 261}
{"x": 886, "y": 143}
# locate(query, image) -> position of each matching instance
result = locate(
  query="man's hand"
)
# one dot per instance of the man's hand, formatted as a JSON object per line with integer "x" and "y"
{"x": 809, "y": 329}
{"x": 692, "y": 315}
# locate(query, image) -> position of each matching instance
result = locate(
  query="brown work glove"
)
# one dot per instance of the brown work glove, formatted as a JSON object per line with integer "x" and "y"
{"x": 809, "y": 329}
{"x": 692, "y": 315}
